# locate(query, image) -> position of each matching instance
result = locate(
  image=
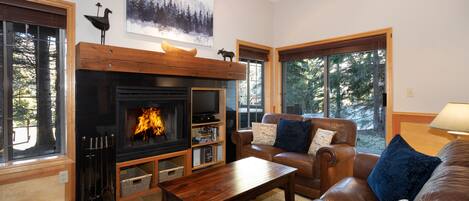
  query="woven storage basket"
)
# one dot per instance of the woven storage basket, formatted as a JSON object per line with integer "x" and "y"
{"x": 134, "y": 180}
{"x": 169, "y": 171}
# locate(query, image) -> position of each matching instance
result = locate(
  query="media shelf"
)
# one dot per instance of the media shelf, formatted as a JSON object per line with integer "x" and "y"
{"x": 208, "y": 139}
{"x": 206, "y": 124}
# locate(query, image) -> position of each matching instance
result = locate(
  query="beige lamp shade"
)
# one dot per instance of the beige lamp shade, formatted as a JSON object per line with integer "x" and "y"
{"x": 454, "y": 118}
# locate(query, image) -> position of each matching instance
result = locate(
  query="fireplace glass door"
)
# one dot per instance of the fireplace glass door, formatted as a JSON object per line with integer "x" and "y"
{"x": 151, "y": 125}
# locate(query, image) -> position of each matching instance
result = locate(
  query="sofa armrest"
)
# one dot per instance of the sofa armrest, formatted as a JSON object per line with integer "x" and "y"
{"x": 349, "y": 189}
{"x": 335, "y": 163}
{"x": 241, "y": 138}
{"x": 363, "y": 165}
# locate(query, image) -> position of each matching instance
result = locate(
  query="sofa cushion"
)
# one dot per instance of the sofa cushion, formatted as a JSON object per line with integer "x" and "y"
{"x": 265, "y": 152}
{"x": 446, "y": 183}
{"x": 293, "y": 136}
{"x": 264, "y": 133}
{"x": 349, "y": 189}
{"x": 401, "y": 171}
{"x": 455, "y": 153}
{"x": 322, "y": 138}
{"x": 303, "y": 162}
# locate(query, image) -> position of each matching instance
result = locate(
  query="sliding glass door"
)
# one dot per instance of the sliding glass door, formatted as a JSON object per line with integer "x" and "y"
{"x": 350, "y": 86}
{"x": 356, "y": 90}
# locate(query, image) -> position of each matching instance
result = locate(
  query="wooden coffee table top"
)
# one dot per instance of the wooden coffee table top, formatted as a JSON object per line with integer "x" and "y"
{"x": 226, "y": 182}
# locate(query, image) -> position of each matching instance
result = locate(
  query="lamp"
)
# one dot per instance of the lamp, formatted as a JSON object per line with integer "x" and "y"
{"x": 454, "y": 118}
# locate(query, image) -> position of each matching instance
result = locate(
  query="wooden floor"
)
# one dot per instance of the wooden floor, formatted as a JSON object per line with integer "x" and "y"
{"x": 274, "y": 195}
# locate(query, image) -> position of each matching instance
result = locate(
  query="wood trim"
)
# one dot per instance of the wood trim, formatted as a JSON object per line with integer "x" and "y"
{"x": 18, "y": 171}
{"x": 43, "y": 168}
{"x": 268, "y": 76}
{"x": 119, "y": 59}
{"x": 389, "y": 69}
{"x": 400, "y": 117}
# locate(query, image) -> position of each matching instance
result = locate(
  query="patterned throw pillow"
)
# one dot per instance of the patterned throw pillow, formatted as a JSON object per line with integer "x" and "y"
{"x": 321, "y": 138}
{"x": 264, "y": 133}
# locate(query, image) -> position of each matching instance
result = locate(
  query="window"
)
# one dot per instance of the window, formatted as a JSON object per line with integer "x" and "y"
{"x": 32, "y": 60}
{"x": 251, "y": 94}
{"x": 346, "y": 84}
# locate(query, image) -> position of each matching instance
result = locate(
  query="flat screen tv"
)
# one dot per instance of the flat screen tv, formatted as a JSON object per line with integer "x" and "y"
{"x": 205, "y": 103}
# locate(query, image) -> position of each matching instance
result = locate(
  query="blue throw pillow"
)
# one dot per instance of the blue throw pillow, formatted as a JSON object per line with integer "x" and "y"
{"x": 293, "y": 136}
{"x": 401, "y": 171}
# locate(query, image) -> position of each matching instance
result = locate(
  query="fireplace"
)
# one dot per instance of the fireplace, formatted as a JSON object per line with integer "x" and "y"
{"x": 108, "y": 105}
{"x": 151, "y": 121}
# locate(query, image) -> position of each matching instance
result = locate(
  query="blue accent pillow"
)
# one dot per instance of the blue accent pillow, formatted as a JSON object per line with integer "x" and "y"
{"x": 293, "y": 136}
{"x": 401, "y": 171}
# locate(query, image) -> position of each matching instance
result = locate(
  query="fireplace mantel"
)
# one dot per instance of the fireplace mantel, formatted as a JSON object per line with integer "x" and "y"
{"x": 96, "y": 57}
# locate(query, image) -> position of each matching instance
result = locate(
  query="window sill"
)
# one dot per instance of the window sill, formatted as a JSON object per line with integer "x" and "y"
{"x": 17, "y": 171}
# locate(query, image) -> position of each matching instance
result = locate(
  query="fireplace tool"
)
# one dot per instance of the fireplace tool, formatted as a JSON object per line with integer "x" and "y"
{"x": 108, "y": 189}
{"x": 98, "y": 168}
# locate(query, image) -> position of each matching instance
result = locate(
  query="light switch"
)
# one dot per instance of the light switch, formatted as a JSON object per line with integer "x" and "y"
{"x": 63, "y": 177}
{"x": 410, "y": 93}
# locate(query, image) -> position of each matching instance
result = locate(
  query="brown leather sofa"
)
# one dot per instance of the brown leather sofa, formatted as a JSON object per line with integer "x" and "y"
{"x": 449, "y": 181}
{"x": 308, "y": 179}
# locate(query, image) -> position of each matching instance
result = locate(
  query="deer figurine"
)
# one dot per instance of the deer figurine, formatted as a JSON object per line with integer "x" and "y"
{"x": 226, "y": 54}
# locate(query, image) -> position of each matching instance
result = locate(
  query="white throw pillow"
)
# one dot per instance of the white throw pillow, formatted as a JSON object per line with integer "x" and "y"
{"x": 264, "y": 133}
{"x": 321, "y": 138}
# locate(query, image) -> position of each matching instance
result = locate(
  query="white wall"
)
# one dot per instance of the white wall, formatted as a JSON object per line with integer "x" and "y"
{"x": 249, "y": 20}
{"x": 430, "y": 39}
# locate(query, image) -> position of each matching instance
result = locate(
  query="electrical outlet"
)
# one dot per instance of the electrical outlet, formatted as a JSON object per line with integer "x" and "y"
{"x": 409, "y": 93}
{"x": 63, "y": 177}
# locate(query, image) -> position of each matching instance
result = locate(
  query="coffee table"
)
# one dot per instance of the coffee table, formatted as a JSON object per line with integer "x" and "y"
{"x": 244, "y": 179}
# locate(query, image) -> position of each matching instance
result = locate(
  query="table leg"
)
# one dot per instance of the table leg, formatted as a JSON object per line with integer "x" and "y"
{"x": 290, "y": 188}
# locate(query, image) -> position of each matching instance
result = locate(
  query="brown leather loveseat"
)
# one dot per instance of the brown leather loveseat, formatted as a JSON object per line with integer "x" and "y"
{"x": 449, "y": 181}
{"x": 308, "y": 179}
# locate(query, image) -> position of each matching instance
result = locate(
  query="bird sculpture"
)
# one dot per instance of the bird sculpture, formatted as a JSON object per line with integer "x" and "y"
{"x": 101, "y": 23}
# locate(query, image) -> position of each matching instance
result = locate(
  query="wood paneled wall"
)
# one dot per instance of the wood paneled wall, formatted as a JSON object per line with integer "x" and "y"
{"x": 40, "y": 189}
{"x": 415, "y": 129}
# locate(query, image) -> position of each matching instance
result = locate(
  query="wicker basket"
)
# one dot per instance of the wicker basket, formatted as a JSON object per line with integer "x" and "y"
{"x": 134, "y": 180}
{"x": 169, "y": 171}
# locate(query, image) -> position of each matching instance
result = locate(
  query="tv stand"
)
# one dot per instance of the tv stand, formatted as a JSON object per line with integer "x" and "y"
{"x": 205, "y": 118}
{"x": 208, "y": 135}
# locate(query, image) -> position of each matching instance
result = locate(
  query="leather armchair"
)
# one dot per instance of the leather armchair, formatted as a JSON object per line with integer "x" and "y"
{"x": 309, "y": 179}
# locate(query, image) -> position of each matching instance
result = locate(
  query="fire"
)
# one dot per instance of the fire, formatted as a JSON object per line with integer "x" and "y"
{"x": 150, "y": 121}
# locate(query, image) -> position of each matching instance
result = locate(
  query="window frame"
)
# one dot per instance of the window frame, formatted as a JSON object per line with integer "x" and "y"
{"x": 269, "y": 75}
{"x": 388, "y": 32}
{"x": 60, "y": 110}
{"x": 17, "y": 171}
{"x": 326, "y": 86}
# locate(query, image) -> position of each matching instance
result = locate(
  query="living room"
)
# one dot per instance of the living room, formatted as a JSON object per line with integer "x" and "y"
{"x": 234, "y": 100}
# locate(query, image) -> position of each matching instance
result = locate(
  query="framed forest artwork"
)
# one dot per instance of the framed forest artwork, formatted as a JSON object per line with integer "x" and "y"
{"x": 188, "y": 21}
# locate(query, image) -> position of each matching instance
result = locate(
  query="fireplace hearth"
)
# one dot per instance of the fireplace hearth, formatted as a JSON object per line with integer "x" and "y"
{"x": 151, "y": 121}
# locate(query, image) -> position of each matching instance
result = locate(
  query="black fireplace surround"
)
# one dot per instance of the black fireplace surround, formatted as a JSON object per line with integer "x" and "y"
{"x": 107, "y": 109}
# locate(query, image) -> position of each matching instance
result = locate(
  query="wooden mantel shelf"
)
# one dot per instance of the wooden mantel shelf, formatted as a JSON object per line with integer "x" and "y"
{"x": 96, "y": 57}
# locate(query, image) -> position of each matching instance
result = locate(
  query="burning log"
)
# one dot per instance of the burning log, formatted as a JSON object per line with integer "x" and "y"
{"x": 150, "y": 123}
